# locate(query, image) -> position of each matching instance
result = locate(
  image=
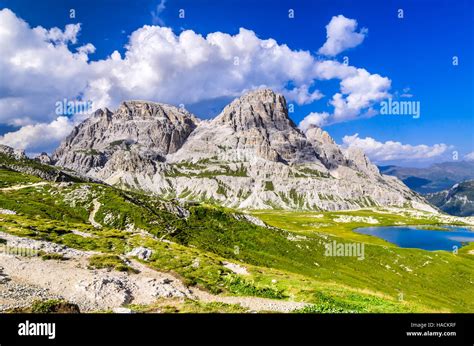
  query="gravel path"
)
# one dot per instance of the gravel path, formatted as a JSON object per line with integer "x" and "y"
{"x": 92, "y": 290}
{"x": 252, "y": 303}
{"x": 18, "y": 187}
{"x": 94, "y": 211}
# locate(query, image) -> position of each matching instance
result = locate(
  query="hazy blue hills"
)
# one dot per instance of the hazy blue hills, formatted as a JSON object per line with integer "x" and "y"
{"x": 435, "y": 178}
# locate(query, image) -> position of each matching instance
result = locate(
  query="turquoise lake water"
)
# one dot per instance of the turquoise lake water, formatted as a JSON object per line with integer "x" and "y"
{"x": 413, "y": 237}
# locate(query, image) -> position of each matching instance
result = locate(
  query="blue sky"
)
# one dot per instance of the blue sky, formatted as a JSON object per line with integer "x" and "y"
{"x": 415, "y": 53}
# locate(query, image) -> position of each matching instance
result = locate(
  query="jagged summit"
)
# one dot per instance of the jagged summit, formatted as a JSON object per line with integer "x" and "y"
{"x": 151, "y": 129}
{"x": 326, "y": 149}
{"x": 133, "y": 109}
{"x": 251, "y": 155}
{"x": 262, "y": 108}
{"x": 253, "y": 125}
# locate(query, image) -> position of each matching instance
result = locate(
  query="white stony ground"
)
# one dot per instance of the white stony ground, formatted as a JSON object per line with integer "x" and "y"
{"x": 24, "y": 279}
{"x": 349, "y": 218}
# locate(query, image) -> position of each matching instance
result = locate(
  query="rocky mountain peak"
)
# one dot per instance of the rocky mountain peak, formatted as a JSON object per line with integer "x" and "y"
{"x": 134, "y": 110}
{"x": 361, "y": 162}
{"x": 17, "y": 154}
{"x": 326, "y": 149}
{"x": 317, "y": 134}
{"x": 255, "y": 125}
{"x": 262, "y": 108}
{"x": 44, "y": 158}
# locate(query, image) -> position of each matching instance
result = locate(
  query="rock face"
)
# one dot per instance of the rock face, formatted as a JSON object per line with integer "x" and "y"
{"x": 326, "y": 149}
{"x": 16, "y": 160}
{"x": 44, "y": 159}
{"x": 258, "y": 123}
{"x": 360, "y": 162}
{"x": 458, "y": 200}
{"x": 250, "y": 156}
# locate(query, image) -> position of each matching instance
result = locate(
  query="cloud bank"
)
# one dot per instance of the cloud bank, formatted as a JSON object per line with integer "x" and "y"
{"x": 391, "y": 150}
{"x": 41, "y": 67}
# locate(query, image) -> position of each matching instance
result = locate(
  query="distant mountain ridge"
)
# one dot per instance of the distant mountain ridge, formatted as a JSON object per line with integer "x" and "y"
{"x": 250, "y": 156}
{"x": 435, "y": 178}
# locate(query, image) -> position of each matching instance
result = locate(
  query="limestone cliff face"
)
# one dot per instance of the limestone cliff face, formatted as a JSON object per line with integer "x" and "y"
{"x": 150, "y": 130}
{"x": 325, "y": 147}
{"x": 254, "y": 125}
{"x": 250, "y": 156}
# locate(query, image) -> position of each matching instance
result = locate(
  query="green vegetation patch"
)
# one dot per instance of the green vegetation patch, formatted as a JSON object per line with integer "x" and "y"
{"x": 187, "y": 306}
{"x": 241, "y": 286}
{"x": 53, "y": 306}
{"x": 110, "y": 262}
{"x": 51, "y": 256}
{"x": 269, "y": 186}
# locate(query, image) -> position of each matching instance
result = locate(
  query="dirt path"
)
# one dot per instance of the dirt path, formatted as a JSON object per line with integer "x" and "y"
{"x": 251, "y": 303}
{"x": 94, "y": 211}
{"x": 18, "y": 187}
{"x": 72, "y": 280}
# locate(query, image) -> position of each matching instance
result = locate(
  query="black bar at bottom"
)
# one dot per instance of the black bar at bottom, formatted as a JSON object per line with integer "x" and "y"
{"x": 257, "y": 329}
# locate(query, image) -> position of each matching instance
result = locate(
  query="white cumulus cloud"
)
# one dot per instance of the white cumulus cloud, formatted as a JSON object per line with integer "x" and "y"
{"x": 314, "y": 118}
{"x": 341, "y": 35}
{"x": 39, "y": 137}
{"x": 392, "y": 150}
{"x": 37, "y": 69}
{"x": 302, "y": 95}
{"x": 359, "y": 91}
{"x": 469, "y": 157}
{"x": 189, "y": 68}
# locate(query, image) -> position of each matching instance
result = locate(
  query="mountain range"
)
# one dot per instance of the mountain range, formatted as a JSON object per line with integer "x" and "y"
{"x": 251, "y": 156}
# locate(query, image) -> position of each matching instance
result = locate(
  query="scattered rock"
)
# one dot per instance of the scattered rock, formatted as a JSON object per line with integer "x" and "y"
{"x": 7, "y": 212}
{"x": 141, "y": 253}
{"x": 236, "y": 268}
{"x": 106, "y": 291}
{"x": 350, "y": 218}
{"x": 121, "y": 310}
